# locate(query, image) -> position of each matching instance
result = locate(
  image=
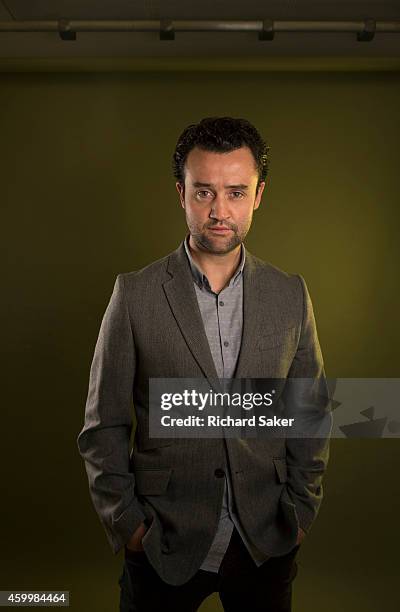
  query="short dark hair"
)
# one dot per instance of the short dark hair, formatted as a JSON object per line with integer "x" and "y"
{"x": 221, "y": 135}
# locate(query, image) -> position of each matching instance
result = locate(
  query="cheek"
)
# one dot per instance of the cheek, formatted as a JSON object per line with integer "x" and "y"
{"x": 197, "y": 213}
{"x": 244, "y": 216}
{"x": 193, "y": 219}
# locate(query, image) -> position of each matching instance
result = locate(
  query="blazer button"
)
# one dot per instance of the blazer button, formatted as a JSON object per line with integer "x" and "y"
{"x": 219, "y": 473}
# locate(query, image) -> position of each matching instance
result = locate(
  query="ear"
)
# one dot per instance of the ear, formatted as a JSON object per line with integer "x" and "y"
{"x": 257, "y": 201}
{"x": 181, "y": 190}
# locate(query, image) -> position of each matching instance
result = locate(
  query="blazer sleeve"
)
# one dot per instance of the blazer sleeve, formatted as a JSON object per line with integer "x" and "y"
{"x": 105, "y": 438}
{"x": 308, "y": 401}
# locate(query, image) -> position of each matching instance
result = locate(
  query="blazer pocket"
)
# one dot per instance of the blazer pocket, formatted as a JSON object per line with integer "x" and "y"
{"x": 280, "y": 468}
{"x": 149, "y": 481}
{"x": 146, "y": 443}
{"x": 282, "y": 337}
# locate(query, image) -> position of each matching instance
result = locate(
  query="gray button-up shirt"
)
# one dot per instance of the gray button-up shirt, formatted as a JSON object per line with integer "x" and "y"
{"x": 222, "y": 316}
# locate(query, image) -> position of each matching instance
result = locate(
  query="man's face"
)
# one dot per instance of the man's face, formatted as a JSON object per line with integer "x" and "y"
{"x": 219, "y": 197}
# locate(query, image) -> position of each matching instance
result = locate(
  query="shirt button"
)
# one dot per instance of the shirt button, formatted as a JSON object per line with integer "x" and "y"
{"x": 226, "y": 343}
{"x": 219, "y": 473}
{"x": 221, "y": 303}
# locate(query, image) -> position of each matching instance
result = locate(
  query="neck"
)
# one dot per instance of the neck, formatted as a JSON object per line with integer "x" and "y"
{"x": 219, "y": 268}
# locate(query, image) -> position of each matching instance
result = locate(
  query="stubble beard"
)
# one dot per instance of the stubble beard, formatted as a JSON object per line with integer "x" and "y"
{"x": 205, "y": 243}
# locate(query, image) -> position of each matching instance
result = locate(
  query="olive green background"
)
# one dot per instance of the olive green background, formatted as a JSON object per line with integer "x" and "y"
{"x": 87, "y": 192}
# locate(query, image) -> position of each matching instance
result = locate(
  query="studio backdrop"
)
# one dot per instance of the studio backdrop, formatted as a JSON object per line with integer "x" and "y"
{"x": 88, "y": 192}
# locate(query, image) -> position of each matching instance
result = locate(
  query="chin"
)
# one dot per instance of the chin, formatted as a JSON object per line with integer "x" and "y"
{"x": 227, "y": 247}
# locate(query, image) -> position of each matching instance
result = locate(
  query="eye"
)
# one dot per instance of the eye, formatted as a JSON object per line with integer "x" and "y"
{"x": 202, "y": 194}
{"x": 238, "y": 195}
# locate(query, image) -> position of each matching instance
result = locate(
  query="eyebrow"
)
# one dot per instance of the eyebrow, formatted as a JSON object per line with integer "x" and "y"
{"x": 240, "y": 186}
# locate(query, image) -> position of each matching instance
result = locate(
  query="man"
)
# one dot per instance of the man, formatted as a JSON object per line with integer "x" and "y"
{"x": 196, "y": 516}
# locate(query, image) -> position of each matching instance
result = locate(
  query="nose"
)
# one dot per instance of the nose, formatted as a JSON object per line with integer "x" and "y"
{"x": 219, "y": 209}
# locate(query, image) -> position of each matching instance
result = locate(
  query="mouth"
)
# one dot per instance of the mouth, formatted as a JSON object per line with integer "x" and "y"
{"x": 220, "y": 230}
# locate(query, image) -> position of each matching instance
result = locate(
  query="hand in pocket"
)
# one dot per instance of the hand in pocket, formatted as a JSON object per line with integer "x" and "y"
{"x": 301, "y": 534}
{"x": 135, "y": 543}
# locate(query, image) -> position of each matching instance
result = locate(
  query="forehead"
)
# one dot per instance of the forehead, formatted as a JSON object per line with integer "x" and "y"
{"x": 208, "y": 166}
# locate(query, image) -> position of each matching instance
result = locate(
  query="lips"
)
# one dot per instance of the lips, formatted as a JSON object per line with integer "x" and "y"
{"x": 220, "y": 229}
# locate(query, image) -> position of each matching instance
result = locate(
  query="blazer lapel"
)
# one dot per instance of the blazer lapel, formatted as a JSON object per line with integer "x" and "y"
{"x": 252, "y": 309}
{"x": 181, "y": 296}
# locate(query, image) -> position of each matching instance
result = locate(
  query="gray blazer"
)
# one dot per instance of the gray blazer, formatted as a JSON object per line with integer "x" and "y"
{"x": 152, "y": 327}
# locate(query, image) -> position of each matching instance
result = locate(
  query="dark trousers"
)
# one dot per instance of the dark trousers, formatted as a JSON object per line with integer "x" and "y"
{"x": 241, "y": 585}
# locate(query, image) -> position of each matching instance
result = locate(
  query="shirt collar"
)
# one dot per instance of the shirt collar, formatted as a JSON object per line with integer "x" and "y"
{"x": 201, "y": 279}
